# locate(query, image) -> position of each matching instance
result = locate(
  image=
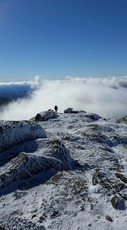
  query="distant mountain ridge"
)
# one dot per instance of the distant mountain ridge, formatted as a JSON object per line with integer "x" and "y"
{"x": 15, "y": 91}
{"x": 4, "y": 101}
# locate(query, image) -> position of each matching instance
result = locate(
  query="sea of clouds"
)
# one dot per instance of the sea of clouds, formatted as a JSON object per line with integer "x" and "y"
{"x": 106, "y": 96}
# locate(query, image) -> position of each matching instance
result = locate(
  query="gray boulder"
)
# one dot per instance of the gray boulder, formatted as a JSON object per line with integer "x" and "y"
{"x": 70, "y": 110}
{"x": 46, "y": 115}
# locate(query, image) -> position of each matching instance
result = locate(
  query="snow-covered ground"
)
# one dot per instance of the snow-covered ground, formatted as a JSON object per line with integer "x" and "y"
{"x": 70, "y": 174}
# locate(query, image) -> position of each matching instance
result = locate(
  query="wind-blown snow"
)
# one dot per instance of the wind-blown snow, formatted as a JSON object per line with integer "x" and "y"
{"x": 105, "y": 96}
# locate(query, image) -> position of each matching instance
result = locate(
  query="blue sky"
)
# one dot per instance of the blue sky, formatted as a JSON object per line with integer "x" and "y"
{"x": 58, "y": 38}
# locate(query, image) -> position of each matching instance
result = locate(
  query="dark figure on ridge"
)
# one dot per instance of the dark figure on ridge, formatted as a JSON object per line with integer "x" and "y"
{"x": 55, "y": 108}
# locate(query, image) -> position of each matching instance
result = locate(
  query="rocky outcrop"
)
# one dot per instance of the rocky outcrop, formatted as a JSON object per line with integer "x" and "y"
{"x": 108, "y": 181}
{"x": 90, "y": 116}
{"x": 15, "y": 132}
{"x": 25, "y": 165}
{"x": 93, "y": 116}
{"x": 122, "y": 120}
{"x": 70, "y": 110}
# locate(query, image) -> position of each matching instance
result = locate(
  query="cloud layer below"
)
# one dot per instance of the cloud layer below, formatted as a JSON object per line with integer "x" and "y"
{"x": 104, "y": 96}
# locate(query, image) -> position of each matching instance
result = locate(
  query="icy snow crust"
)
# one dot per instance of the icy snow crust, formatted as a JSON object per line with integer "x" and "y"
{"x": 76, "y": 178}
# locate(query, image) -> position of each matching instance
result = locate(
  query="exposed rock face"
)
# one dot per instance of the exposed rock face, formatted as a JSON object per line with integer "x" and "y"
{"x": 14, "y": 132}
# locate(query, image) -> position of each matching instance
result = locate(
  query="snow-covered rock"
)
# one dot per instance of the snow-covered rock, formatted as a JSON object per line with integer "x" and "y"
{"x": 14, "y": 132}
{"x": 122, "y": 120}
{"x": 93, "y": 116}
{"x": 46, "y": 115}
{"x": 70, "y": 110}
{"x": 25, "y": 165}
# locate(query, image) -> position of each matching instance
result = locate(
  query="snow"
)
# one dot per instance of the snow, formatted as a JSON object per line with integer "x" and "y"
{"x": 63, "y": 173}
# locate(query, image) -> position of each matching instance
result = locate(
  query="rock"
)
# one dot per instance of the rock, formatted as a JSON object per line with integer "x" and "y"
{"x": 108, "y": 218}
{"x": 38, "y": 117}
{"x": 54, "y": 156}
{"x": 122, "y": 120}
{"x": 54, "y": 214}
{"x": 107, "y": 180}
{"x": 117, "y": 202}
{"x": 46, "y": 115}
{"x": 121, "y": 177}
{"x": 123, "y": 194}
{"x": 15, "y": 132}
{"x": 92, "y": 116}
{"x": 2, "y": 228}
{"x": 70, "y": 110}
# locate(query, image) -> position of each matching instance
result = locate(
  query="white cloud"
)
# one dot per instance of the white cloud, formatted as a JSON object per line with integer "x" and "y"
{"x": 104, "y": 96}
